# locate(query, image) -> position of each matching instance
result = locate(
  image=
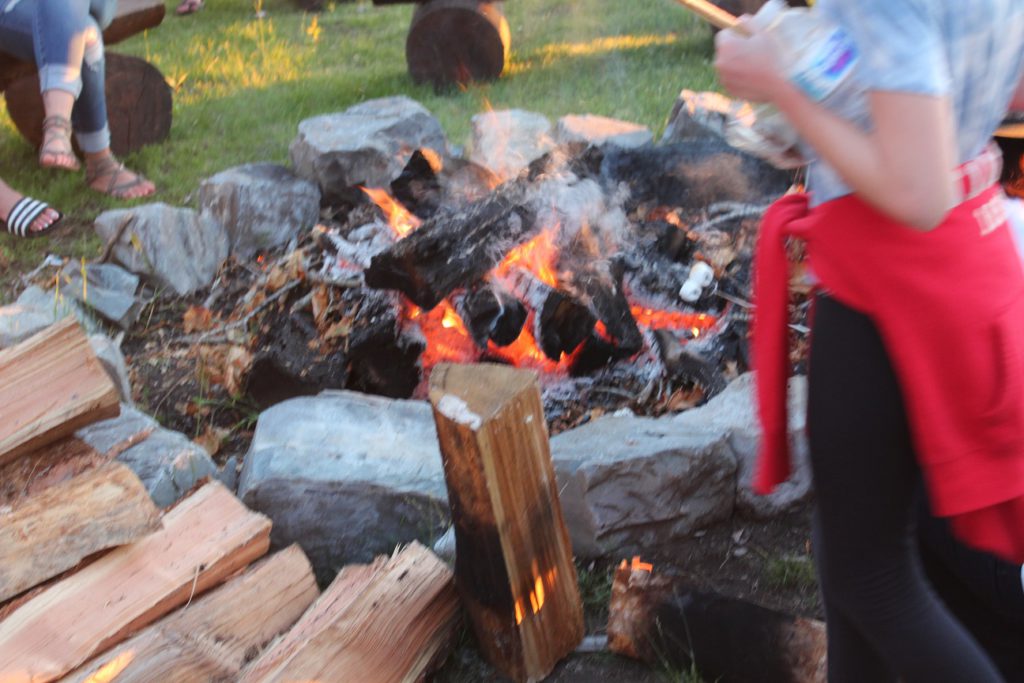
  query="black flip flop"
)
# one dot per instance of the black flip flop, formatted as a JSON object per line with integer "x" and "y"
{"x": 24, "y": 212}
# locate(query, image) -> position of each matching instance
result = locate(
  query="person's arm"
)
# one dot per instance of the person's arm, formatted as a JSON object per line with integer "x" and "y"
{"x": 902, "y": 167}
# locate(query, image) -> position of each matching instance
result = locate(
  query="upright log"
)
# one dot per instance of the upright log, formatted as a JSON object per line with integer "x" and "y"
{"x": 206, "y": 538}
{"x": 391, "y": 621}
{"x": 513, "y": 564}
{"x": 456, "y": 42}
{"x": 212, "y": 639}
{"x": 52, "y": 385}
{"x": 664, "y": 620}
{"x": 56, "y": 529}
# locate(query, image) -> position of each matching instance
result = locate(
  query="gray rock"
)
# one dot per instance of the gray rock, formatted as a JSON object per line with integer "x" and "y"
{"x": 507, "y": 141}
{"x": 347, "y": 476}
{"x": 628, "y": 483}
{"x": 35, "y": 310}
{"x": 228, "y": 475}
{"x": 177, "y": 248}
{"x": 368, "y": 144}
{"x": 261, "y": 205}
{"x": 601, "y": 130}
{"x": 113, "y": 362}
{"x": 109, "y": 290}
{"x": 735, "y": 412}
{"x": 168, "y": 464}
{"x": 699, "y": 115}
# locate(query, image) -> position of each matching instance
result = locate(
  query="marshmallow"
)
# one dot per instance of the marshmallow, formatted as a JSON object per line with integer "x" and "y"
{"x": 702, "y": 273}
{"x": 690, "y": 291}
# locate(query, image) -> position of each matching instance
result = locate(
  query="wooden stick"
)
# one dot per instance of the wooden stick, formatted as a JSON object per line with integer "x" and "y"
{"x": 714, "y": 15}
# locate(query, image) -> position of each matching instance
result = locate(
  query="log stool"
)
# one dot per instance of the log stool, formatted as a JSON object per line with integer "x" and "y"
{"x": 454, "y": 42}
{"x": 138, "y": 98}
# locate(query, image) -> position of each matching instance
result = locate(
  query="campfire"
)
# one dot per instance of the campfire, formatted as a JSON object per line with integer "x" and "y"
{"x": 636, "y": 291}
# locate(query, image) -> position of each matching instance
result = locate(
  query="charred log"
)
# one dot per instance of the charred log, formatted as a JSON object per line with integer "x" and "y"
{"x": 491, "y": 313}
{"x": 417, "y": 186}
{"x": 560, "y": 322}
{"x": 383, "y": 358}
{"x": 600, "y": 284}
{"x": 688, "y": 367}
{"x": 453, "y": 249}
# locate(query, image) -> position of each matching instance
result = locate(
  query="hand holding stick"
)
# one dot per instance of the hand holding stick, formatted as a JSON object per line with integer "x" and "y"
{"x": 714, "y": 15}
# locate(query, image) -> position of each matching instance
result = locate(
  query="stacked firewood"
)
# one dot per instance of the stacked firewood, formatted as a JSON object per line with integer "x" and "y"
{"x": 97, "y": 584}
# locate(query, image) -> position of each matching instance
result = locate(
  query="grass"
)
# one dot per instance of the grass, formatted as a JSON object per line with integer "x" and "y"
{"x": 792, "y": 573}
{"x": 243, "y": 83}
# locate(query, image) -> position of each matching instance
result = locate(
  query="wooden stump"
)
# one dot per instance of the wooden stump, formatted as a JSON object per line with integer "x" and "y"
{"x": 138, "y": 104}
{"x": 513, "y": 564}
{"x": 457, "y": 41}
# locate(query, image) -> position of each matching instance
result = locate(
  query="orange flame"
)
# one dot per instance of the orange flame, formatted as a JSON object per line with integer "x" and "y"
{"x": 401, "y": 220}
{"x": 639, "y": 566}
{"x": 698, "y": 324}
{"x": 539, "y": 256}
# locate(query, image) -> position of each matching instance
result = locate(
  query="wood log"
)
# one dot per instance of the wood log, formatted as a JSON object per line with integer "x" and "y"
{"x": 206, "y": 538}
{"x": 453, "y": 249}
{"x": 53, "y": 384}
{"x": 214, "y": 637}
{"x": 491, "y": 313}
{"x": 139, "y": 104}
{"x": 664, "y": 620}
{"x": 388, "y": 621}
{"x": 560, "y": 322}
{"x": 45, "y": 467}
{"x": 54, "y": 530}
{"x": 454, "y": 42}
{"x": 513, "y": 565}
{"x": 131, "y": 17}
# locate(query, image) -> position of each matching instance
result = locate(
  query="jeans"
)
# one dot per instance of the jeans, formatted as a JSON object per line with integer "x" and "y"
{"x": 66, "y": 44}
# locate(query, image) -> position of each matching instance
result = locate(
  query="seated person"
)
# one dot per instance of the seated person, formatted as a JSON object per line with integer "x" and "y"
{"x": 65, "y": 41}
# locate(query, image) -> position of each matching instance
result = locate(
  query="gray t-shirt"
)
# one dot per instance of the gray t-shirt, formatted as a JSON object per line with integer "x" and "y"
{"x": 972, "y": 51}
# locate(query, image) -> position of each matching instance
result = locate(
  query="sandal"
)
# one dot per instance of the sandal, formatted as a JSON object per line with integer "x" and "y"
{"x": 189, "y": 6}
{"x": 24, "y": 213}
{"x": 57, "y": 144}
{"x": 109, "y": 167}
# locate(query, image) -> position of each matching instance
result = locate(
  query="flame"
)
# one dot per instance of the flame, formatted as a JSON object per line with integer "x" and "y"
{"x": 539, "y": 256}
{"x": 696, "y": 323}
{"x": 639, "y": 566}
{"x": 519, "y": 613}
{"x": 448, "y": 340}
{"x": 399, "y": 218}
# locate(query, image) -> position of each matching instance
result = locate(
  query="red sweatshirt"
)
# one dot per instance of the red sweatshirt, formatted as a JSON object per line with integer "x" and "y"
{"x": 949, "y": 305}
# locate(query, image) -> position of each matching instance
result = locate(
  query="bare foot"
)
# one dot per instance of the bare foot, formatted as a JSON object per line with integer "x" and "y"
{"x": 56, "y": 150}
{"x": 107, "y": 175}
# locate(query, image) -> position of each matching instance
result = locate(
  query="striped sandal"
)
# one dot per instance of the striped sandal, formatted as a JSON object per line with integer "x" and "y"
{"x": 24, "y": 213}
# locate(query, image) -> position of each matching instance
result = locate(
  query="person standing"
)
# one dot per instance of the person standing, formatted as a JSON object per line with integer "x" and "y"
{"x": 917, "y": 358}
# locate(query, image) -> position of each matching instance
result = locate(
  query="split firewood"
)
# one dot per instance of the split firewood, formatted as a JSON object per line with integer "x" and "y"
{"x": 454, "y": 248}
{"x": 53, "y": 384}
{"x": 205, "y": 539}
{"x": 664, "y": 620}
{"x": 56, "y": 529}
{"x": 214, "y": 637}
{"x": 513, "y": 563}
{"x": 392, "y": 620}
{"x": 45, "y": 467}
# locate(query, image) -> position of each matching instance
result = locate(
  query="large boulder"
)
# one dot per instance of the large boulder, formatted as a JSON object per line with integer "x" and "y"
{"x": 629, "y": 483}
{"x": 167, "y": 462}
{"x": 347, "y": 476}
{"x": 368, "y": 144}
{"x": 261, "y": 205}
{"x": 734, "y": 412}
{"x": 595, "y": 130}
{"x": 176, "y": 248}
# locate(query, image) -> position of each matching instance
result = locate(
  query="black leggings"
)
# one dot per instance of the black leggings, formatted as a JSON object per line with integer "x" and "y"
{"x": 884, "y": 621}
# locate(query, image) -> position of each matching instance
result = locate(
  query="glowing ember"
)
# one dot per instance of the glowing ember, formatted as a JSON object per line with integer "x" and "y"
{"x": 399, "y": 218}
{"x": 696, "y": 323}
{"x": 639, "y": 566}
{"x": 539, "y": 256}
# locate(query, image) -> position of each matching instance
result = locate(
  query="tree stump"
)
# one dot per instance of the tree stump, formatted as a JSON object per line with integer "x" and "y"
{"x": 457, "y": 41}
{"x": 138, "y": 104}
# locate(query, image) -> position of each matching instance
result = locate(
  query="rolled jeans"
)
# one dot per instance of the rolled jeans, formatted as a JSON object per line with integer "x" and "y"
{"x": 66, "y": 44}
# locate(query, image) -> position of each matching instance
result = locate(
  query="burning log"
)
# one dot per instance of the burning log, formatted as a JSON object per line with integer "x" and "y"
{"x": 491, "y": 313}
{"x": 687, "y": 366}
{"x": 453, "y": 249}
{"x": 429, "y": 182}
{"x": 66, "y": 523}
{"x": 53, "y": 384}
{"x": 513, "y": 563}
{"x": 663, "y": 620}
{"x": 561, "y": 323}
{"x": 389, "y": 621}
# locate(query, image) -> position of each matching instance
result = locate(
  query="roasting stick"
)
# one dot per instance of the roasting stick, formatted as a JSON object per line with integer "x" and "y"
{"x": 713, "y": 14}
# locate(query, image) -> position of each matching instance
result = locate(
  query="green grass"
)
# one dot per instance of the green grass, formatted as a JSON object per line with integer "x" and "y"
{"x": 242, "y": 85}
{"x": 792, "y": 573}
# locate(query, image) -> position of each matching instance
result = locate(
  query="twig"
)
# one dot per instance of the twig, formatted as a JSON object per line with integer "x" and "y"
{"x": 205, "y": 337}
{"x": 108, "y": 249}
{"x": 350, "y": 283}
